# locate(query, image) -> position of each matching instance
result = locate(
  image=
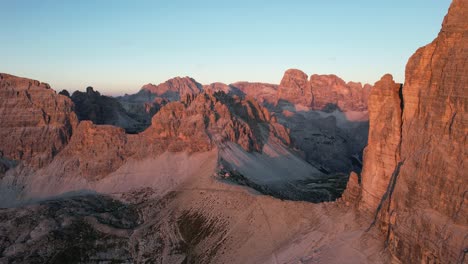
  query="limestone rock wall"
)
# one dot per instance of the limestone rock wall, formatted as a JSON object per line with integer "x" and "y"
{"x": 35, "y": 122}
{"x": 414, "y": 179}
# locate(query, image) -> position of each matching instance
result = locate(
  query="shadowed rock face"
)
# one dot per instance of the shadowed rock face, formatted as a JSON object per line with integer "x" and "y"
{"x": 104, "y": 110}
{"x": 264, "y": 93}
{"x": 35, "y": 122}
{"x": 332, "y": 132}
{"x": 414, "y": 178}
{"x": 327, "y": 117}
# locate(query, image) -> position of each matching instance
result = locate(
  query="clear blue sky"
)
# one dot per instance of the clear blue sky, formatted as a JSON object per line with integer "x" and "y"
{"x": 117, "y": 46}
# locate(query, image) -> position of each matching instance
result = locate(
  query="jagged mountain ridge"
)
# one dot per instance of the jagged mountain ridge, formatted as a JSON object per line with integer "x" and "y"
{"x": 338, "y": 121}
{"x": 341, "y": 133}
{"x": 198, "y": 123}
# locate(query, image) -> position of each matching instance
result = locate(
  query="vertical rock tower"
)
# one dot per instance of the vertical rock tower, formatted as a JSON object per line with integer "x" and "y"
{"x": 415, "y": 180}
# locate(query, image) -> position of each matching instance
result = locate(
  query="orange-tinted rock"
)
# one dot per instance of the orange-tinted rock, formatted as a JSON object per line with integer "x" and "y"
{"x": 381, "y": 154}
{"x": 95, "y": 150}
{"x": 423, "y": 211}
{"x": 353, "y": 191}
{"x": 216, "y": 87}
{"x": 330, "y": 89}
{"x": 294, "y": 88}
{"x": 264, "y": 93}
{"x": 199, "y": 122}
{"x": 35, "y": 122}
{"x": 322, "y": 91}
{"x": 175, "y": 88}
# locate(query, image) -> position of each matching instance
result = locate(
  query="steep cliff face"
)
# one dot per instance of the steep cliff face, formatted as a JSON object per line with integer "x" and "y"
{"x": 35, "y": 122}
{"x": 419, "y": 170}
{"x": 295, "y": 88}
{"x": 381, "y": 155}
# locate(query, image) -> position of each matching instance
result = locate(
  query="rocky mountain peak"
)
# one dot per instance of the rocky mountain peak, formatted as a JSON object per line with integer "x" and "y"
{"x": 322, "y": 90}
{"x": 199, "y": 121}
{"x": 294, "y": 78}
{"x": 90, "y": 91}
{"x": 175, "y": 88}
{"x": 294, "y": 88}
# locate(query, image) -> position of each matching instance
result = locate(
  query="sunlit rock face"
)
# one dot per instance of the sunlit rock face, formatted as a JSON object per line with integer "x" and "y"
{"x": 295, "y": 88}
{"x": 381, "y": 155}
{"x": 35, "y": 122}
{"x": 321, "y": 91}
{"x": 423, "y": 206}
{"x": 330, "y": 89}
{"x": 199, "y": 121}
{"x": 174, "y": 89}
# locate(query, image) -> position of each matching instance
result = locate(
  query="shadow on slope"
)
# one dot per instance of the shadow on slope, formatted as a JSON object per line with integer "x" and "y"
{"x": 329, "y": 139}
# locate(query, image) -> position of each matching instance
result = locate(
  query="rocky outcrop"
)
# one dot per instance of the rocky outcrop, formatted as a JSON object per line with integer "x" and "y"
{"x": 353, "y": 190}
{"x": 322, "y": 92}
{"x": 94, "y": 151}
{"x": 175, "y": 88}
{"x": 219, "y": 87}
{"x": 35, "y": 122}
{"x": 200, "y": 121}
{"x": 417, "y": 165}
{"x": 143, "y": 105}
{"x": 332, "y": 90}
{"x": 295, "y": 88}
{"x": 264, "y": 93}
